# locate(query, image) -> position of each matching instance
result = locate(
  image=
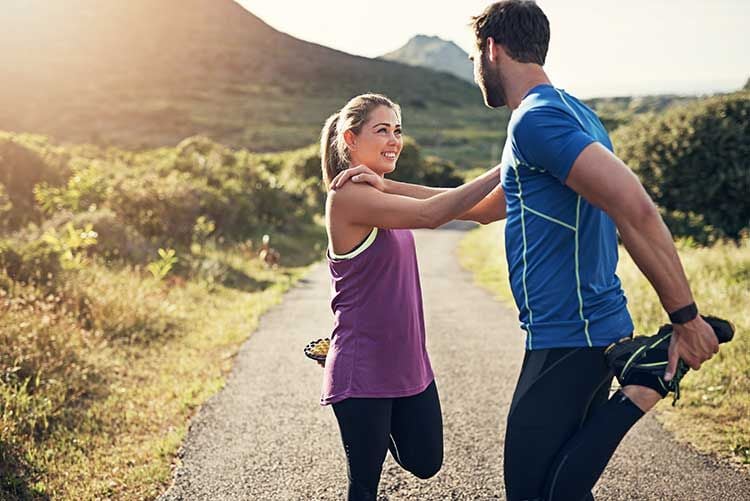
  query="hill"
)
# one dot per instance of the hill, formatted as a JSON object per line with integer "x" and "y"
{"x": 143, "y": 73}
{"x": 434, "y": 53}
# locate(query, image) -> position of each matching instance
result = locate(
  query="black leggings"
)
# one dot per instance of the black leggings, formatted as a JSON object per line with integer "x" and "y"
{"x": 562, "y": 427}
{"x": 410, "y": 427}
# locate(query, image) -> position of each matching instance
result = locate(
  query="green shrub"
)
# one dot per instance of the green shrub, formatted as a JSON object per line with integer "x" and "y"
{"x": 86, "y": 188}
{"x": 71, "y": 244}
{"x": 165, "y": 192}
{"x": 6, "y": 209}
{"x": 439, "y": 172}
{"x": 115, "y": 239}
{"x": 431, "y": 171}
{"x": 21, "y": 168}
{"x": 159, "y": 207}
{"x": 695, "y": 159}
{"x": 37, "y": 261}
{"x": 160, "y": 268}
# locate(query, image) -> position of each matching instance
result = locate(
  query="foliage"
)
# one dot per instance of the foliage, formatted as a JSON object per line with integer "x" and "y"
{"x": 617, "y": 111}
{"x": 431, "y": 171}
{"x": 115, "y": 239}
{"x": 24, "y": 163}
{"x": 161, "y": 268}
{"x": 693, "y": 161}
{"x": 86, "y": 188}
{"x": 70, "y": 243}
{"x": 6, "y": 208}
{"x": 30, "y": 262}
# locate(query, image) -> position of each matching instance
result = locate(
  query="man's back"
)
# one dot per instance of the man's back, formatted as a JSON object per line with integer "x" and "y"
{"x": 561, "y": 250}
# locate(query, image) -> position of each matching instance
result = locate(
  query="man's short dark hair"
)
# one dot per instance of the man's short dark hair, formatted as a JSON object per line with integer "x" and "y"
{"x": 518, "y": 25}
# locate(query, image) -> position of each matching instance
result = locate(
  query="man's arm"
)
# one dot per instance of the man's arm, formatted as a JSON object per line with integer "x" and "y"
{"x": 605, "y": 181}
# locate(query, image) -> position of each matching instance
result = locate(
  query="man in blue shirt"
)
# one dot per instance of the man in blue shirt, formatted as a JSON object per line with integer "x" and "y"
{"x": 566, "y": 195}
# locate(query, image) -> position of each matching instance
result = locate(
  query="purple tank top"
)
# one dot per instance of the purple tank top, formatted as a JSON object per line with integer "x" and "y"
{"x": 378, "y": 341}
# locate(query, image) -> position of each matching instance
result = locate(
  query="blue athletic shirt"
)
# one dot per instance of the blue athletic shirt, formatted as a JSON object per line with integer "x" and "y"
{"x": 561, "y": 250}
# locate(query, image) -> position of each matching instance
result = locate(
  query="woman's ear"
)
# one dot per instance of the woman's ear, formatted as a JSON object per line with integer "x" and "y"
{"x": 350, "y": 139}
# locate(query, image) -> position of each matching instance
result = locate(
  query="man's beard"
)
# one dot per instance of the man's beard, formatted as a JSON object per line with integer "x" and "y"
{"x": 492, "y": 88}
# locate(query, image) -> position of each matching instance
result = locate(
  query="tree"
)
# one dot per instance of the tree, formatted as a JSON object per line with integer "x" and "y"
{"x": 694, "y": 160}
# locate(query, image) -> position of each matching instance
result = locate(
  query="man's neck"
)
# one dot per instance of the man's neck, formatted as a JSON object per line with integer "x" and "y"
{"x": 521, "y": 81}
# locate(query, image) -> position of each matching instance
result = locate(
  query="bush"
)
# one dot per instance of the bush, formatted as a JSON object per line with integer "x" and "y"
{"x": 22, "y": 167}
{"x": 32, "y": 262}
{"x": 165, "y": 192}
{"x": 87, "y": 187}
{"x": 439, "y": 172}
{"x": 115, "y": 239}
{"x": 160, "y": 207}
{"x": 6, "y": 209}
{"x": 431, "y": 171}
{"x": 695, "y": 159}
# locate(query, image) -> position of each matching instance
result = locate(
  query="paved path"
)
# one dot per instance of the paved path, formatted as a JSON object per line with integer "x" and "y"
{"x": 264, "y": 436}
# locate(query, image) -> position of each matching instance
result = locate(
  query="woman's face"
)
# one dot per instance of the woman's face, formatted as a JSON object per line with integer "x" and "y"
{"x": 379, "y": 143}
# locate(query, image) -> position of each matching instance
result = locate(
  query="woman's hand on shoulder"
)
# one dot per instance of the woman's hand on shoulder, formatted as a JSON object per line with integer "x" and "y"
{"x": 359, "y": 174}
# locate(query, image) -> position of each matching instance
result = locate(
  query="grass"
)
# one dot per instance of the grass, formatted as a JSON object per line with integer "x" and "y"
{"x": 108, "y": 422}
{"x": 713, "y": 414}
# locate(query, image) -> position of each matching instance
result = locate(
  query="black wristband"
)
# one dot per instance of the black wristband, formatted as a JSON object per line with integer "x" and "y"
{"x": 684, "y": 314}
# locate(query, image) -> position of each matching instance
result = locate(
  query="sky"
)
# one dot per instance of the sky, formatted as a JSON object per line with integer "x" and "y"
{"x": 598, "y": 48}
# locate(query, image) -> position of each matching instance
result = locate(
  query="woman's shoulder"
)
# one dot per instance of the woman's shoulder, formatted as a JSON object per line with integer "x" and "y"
{"x": 349, "y": 194}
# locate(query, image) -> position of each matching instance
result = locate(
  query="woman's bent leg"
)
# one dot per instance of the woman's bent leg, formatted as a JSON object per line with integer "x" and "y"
{"x": 364, "y": 424}
{"x": 416, "y": 437}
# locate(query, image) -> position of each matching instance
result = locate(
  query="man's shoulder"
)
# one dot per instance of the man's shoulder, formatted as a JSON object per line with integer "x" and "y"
{"x": 533, "y": 115}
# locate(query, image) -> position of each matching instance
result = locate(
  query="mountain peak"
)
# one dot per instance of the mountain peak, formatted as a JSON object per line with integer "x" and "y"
{"x": 435, "y": 53}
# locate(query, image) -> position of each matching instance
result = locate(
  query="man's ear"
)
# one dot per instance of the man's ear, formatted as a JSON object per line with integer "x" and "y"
{"x": 350, "y": 139}
{"x": 491, "y": 49}
{"x": 495, "y": 51}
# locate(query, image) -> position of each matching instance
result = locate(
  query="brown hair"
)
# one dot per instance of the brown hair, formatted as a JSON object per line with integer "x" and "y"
{"x": 334, "y": 156}
{"x": 518, "y": 25}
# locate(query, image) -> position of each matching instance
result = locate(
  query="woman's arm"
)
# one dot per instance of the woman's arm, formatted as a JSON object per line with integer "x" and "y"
{"x": 490, "y": 208}
{"x": 363, "y": 205}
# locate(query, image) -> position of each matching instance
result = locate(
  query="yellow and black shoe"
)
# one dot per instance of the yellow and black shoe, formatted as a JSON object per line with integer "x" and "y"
{"x": 318, "y": 349}
{"x": 642, "y": 360}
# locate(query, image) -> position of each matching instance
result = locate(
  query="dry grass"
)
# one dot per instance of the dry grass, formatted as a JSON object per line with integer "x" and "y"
{"x": 102, "y": 377}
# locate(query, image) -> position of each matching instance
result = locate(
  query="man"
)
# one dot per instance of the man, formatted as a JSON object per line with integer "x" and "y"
{"x": 565, "y": 195}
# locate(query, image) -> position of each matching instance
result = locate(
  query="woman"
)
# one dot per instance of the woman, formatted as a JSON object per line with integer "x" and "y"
{"x": 378, "y": 376}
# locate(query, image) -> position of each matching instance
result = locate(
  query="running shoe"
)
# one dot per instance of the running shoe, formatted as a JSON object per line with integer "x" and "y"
{"x": 643, "y": 360}
{"x": 318, "y": 349}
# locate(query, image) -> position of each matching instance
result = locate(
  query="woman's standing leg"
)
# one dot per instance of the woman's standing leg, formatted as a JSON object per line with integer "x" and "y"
{"x": 416, "y": 435}
{"x": 365, "y": 425}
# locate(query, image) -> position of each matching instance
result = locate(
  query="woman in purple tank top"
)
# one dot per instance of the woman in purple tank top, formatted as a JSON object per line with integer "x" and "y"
{"x": 377, "y": 375}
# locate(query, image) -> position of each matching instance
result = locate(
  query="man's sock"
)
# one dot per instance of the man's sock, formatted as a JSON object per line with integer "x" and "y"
{"x": 584, "y": 457}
